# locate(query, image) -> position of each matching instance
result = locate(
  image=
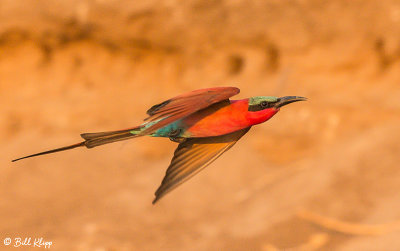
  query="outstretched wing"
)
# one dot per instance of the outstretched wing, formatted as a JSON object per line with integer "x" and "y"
{"x": 192, "y": 156}
{"x": 184, "y": 105}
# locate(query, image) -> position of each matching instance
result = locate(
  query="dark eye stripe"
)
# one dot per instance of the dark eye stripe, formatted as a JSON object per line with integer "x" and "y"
{"x": 259, "y": 107}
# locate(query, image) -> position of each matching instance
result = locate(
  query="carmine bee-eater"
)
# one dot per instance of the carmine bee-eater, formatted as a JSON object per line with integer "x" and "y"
{"x": 204, "y": 122}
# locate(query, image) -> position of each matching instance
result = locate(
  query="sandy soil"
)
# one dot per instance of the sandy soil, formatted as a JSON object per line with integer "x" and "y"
{"x": 321, "y": 175}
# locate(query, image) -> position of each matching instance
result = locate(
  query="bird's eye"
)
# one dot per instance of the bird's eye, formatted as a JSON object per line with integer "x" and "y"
{"x": 264, "y": 104}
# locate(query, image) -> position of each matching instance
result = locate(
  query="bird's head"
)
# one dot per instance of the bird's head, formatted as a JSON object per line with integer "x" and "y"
{"x": 262, "y": 108}
{"x": 261, "y": 103}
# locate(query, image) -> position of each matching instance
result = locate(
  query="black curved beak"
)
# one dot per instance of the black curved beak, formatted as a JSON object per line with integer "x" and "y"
{"x": 287, "y": 100}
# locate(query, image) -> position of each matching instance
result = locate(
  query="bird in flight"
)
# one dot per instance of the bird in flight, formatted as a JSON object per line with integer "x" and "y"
{"x": 205, "y": 123}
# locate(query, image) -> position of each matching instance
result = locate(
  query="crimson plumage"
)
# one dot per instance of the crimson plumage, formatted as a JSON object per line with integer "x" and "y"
{"x": 204, "y": 122}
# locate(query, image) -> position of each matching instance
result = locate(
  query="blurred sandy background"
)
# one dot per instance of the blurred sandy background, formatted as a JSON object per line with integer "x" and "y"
{"x": 321, "y": 175}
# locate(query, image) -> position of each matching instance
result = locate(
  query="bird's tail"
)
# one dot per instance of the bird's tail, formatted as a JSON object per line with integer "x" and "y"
{"x": 95, "y": 139}
{"x": 101, "y": 138}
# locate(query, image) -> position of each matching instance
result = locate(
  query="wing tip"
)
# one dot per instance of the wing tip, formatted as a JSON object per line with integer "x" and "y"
{"x": 157, "y": 107}
{"x": 237, "y": 90}
{"x": 159, "y": 193}
{"x": 158, "y": 196}
{"x": 155, "y": 200}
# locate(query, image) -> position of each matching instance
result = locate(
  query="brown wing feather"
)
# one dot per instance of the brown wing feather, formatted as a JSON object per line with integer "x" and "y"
{"x": 192, "y": 156}
{"x": 186, "y": 104}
